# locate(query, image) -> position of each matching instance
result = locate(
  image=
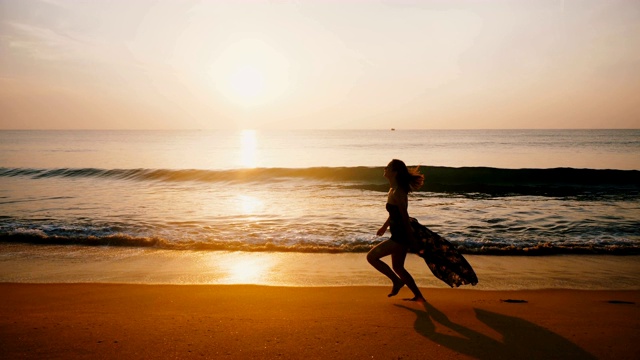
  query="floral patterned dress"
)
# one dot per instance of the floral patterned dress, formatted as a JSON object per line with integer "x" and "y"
{"x": 444, "y": 261}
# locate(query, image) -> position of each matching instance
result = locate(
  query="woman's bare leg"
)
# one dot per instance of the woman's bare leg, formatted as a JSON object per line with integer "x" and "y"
{"x": 385, "y": 248}
{"x": 397, "y": 261}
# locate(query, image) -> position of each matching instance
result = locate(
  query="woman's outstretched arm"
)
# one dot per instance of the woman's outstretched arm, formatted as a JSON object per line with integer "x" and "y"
{"x": 384, "y": 227}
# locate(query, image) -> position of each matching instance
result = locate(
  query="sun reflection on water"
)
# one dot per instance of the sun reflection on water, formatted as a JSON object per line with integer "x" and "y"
{"x": 249, "y": 205}
{"x": 247, "y": 268}
{"x": 248, "y": 148}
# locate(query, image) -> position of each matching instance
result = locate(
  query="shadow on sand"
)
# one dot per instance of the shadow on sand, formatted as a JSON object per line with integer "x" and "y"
{"x": 521, "y": 339}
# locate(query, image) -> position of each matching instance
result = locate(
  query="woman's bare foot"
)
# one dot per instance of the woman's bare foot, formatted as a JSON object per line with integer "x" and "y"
{"x": 419, "y": 299}
{"x": 396, "y": 288}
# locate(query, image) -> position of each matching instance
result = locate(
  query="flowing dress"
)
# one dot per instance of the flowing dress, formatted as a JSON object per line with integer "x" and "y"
{"x": 442, "y": 257}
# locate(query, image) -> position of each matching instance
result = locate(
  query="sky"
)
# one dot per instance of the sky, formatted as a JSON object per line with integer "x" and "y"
{"x": 168, "y": 64}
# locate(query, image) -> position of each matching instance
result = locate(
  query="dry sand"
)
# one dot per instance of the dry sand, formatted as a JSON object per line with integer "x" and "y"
{"x": 93, "y": 321}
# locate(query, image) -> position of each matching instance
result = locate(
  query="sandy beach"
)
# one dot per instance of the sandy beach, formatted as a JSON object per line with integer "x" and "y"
{"x": 219, "y": 180}
{"x": 108, "y": 321}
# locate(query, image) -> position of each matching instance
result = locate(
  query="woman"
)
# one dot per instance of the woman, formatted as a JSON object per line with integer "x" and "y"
{"x": 402, "y": 181}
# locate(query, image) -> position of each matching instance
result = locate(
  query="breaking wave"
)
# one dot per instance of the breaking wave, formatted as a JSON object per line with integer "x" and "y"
{"x": 463, "y": 180}
{"x": 309, "y": 245}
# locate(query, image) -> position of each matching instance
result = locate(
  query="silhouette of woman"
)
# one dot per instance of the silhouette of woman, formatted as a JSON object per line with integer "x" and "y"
{"x": 402, "y": 182}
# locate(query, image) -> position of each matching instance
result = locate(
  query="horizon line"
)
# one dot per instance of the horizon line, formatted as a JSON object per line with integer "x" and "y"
{"x": 308, "y": 129}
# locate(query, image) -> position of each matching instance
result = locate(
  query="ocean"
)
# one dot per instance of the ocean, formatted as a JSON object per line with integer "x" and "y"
{"x": 145, "y": 206}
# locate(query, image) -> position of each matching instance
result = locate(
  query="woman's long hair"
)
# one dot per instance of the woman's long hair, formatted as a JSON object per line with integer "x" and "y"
{"x": 408, "y": 179}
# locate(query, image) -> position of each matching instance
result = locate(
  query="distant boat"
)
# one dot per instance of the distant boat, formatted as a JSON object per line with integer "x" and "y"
{"x": 393, "y": 129}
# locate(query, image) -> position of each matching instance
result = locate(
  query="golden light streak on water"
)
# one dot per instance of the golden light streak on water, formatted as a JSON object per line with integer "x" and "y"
{"x": 247, "y": 269}
{"x": 248, "y": 148}
{"x": 249, "y": 205}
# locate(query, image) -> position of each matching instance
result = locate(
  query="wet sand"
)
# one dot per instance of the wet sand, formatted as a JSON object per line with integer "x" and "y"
{"x": 125, "y": 321}
{"x": 82, "y": 264}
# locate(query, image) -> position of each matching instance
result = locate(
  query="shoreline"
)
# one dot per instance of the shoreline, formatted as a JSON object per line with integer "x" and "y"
{"x": 270, "y": 322}
{"x": 109, "y": 265}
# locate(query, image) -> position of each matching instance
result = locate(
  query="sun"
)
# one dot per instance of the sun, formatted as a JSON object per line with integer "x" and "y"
{"x": 247, "y": 83}
{"x": 250, "y": 72}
